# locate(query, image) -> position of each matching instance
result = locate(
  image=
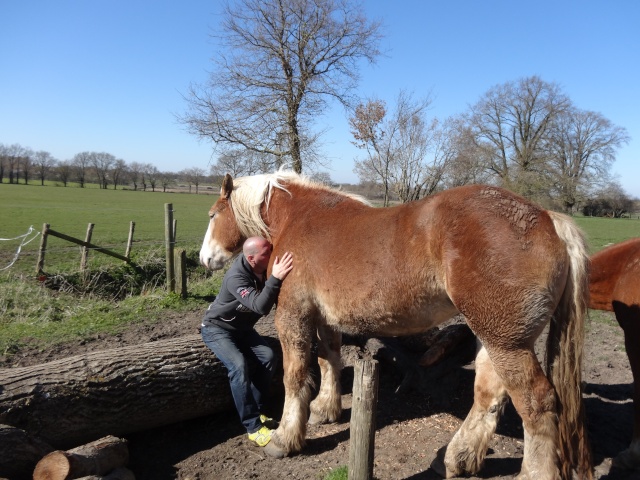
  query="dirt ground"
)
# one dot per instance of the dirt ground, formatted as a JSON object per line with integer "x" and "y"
{"x": 411, "y": 426}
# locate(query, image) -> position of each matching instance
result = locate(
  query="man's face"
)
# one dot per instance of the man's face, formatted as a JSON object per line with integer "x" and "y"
{"x": 261, "y": 259}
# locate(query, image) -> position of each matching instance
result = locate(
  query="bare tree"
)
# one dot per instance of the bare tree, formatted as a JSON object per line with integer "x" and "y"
{"x": 135, "y": 173}
{"x": 81, "y": 163}
{"x": 404, "y": 150}
{"x": 240, "y": 162}
{"x": 193, "y": 176}
{"x": 166, "y": 179}
{"x": 510, "y": 125}
{"x": 420, "y": 151}
{"x": 118, "y": 172}
{"x": 64, "y": 170}
{"x": 582, "y": 148}
{"x": 324, "y": 178}
{"x": 466, "y": 165}
{"x": 43, "y": 162}
{"x": 25, "y": 165}
{"x": 102, "y": 163}
{"x": 370, "y": 135}
{"x": 12, "y": 156}
{"x": 151, "y": 176}
{"x": 280, "y": 63}
{"x": 3, "y": 159}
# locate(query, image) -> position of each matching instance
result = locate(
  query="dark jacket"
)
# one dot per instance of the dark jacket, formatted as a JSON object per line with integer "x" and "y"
{"x": 243, "y": 298}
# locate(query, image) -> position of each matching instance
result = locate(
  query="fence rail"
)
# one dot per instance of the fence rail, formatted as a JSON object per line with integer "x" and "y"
{"x": 47, "y": 230}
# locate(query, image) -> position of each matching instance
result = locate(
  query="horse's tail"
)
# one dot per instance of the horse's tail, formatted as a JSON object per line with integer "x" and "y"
{"x": 564, "y": 353}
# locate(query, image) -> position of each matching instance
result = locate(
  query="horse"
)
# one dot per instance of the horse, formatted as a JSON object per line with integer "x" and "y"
{"x": 506, "y": 264}
{"x": 614, "y": 286}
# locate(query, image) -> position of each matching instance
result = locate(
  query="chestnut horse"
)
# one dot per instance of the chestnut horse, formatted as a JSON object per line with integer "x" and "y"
{"x": 509, "y": 266}
{"x": 615, "y": 286}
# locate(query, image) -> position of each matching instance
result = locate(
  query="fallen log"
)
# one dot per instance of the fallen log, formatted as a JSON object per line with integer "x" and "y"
{"x": 19, "y": 452}
{"x": 97, "y": 458}
{"x": 444, "y": 342}
{"x": 120, "y": 473}
{"x": 78, "y": 399}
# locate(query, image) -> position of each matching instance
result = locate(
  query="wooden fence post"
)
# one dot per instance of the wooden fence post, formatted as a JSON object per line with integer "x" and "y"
{"x": 363, "y": 424}
{"x": 132, "y": 227}
{"x": 175, "y": 230}
{"x": 85, "y": 249}
{"x": 181, "y": 272}
{"x": 43, "y": 248}
{"x": 169, "y": 241}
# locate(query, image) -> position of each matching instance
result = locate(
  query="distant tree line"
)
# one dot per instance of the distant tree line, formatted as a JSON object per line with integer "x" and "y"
{"x": 525, "y": 135}
{"x": 19, "y": 164}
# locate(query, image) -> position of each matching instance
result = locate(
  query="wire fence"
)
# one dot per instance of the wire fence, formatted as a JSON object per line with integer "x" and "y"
{"x": 25, "y": 239}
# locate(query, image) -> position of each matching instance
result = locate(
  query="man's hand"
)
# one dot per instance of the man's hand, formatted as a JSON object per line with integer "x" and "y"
{"x": 282, "y": 267}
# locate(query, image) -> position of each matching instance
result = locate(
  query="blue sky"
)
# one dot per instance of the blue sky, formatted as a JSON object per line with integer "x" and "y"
{"x": 109, "y": 76}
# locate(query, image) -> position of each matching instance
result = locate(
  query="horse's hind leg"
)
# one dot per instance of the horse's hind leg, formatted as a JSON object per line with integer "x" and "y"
{"x": 535, "y": 401}
{"x": 327, "y": 406}
{"x": 466, "y": 451}
{"x": 629, "y": 320}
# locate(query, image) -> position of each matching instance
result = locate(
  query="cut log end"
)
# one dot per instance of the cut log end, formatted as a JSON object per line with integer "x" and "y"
{"x": 53, "y": 466}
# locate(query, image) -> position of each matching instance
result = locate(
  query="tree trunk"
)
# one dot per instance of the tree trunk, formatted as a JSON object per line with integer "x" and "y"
{"x": 78, "y": 399}
{"x": 19, "y": 452}
{"x": 96, "y": 458}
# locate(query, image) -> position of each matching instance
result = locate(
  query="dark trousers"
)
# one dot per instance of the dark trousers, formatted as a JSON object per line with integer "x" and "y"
{"x": 251, "y": 364}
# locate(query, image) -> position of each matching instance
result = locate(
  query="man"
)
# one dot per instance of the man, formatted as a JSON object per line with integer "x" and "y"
{"x": 227, "y": 329}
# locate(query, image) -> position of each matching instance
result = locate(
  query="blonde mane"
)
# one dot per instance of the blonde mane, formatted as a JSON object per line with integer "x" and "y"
{"x": 249, "y": 193}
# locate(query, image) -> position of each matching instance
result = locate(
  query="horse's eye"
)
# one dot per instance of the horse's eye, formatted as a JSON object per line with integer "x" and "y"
{"x": 211, "y": 215}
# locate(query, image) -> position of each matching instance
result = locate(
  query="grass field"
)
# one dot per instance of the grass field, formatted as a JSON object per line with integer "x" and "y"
{"x": 31, "y": 312}
{"x": 606, "y": 231}
{"x": 69, "y": 210}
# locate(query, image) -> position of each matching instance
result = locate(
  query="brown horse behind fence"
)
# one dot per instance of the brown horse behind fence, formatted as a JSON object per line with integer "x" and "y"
{"x": 509, "y": 266}
{"x": 615, "y": 286}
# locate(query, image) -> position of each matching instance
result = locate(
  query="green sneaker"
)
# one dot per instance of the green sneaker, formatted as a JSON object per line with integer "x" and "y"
{"x": 262, "y": 437}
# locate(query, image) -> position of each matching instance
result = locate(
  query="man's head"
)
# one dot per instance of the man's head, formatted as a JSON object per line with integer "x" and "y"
{"x": 257, "y": 251}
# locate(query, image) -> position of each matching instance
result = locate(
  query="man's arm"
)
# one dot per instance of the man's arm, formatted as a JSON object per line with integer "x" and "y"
{"x": 243, "y": 289}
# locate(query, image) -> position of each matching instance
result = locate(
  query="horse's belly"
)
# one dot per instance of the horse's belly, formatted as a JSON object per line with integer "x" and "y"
{"x": 375, "y": 321}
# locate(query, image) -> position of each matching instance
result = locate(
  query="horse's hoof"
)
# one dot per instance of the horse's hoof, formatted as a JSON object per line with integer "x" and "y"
{"x": 437, "y": 465}
{"x": 274, "y": 450}
{"x": 315, "y": 419}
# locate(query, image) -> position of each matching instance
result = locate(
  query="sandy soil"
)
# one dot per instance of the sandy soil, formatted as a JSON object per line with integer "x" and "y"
{"x": 411, "y": 426}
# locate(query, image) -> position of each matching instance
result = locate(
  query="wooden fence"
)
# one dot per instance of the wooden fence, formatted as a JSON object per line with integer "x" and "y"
{"x": 86, "y": 244}
{"x": 176, "y": 270}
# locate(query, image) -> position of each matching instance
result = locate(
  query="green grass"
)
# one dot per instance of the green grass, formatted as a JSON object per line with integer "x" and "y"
{"x": 340, "y": 473}
{"x": 605, "y": 231}
{"x": 69, "y": 210}
{"x": 58, "y": 317}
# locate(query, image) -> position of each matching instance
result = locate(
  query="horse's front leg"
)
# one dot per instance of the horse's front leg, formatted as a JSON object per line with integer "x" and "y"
{"x": 296, "y": 334}
{"x": 327, "y": 406}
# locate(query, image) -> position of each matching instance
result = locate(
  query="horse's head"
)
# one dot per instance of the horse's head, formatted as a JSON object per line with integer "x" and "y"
{"x": 223, "y": 238}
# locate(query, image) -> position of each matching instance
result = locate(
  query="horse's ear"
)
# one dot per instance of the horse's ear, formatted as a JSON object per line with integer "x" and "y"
{"x": 227, "y": 186}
